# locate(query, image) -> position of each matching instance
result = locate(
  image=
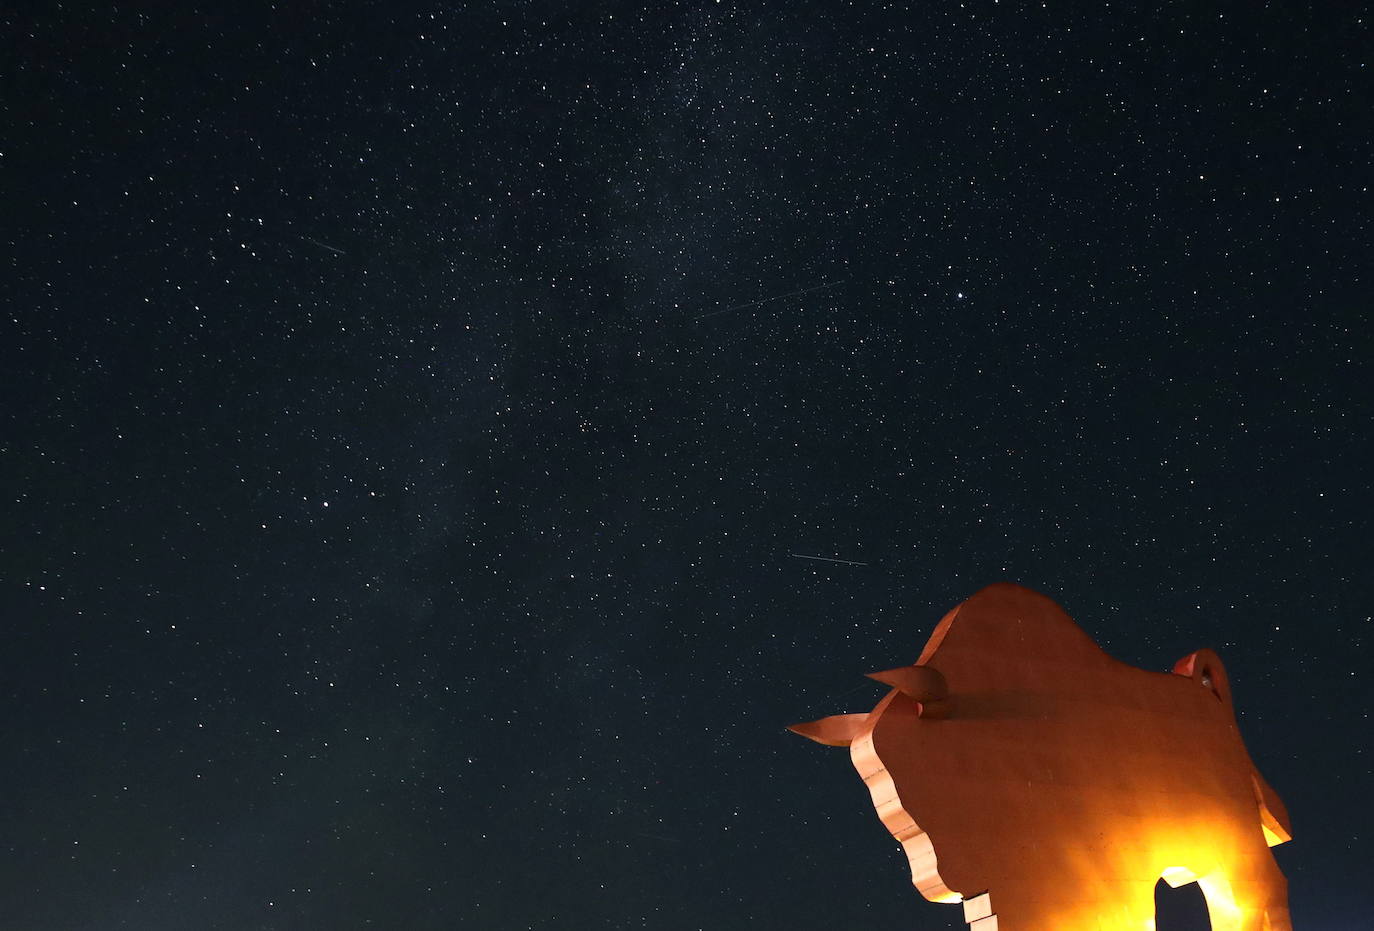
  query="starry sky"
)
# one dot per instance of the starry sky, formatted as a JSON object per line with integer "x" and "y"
{"x": 416, "y": 418}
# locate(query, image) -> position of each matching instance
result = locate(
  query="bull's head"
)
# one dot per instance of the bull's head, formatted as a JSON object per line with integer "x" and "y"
{"x": 1050, "y": 774}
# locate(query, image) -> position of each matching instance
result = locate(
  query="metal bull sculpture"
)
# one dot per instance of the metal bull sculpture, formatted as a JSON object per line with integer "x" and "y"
{"x": 1048, "y": 786}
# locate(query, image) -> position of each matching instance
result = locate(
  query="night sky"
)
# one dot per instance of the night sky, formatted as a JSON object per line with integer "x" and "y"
{"x": 414, "y": 419}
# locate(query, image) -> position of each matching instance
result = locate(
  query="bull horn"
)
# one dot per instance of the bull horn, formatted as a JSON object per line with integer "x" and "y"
{"x": 923, "y": 683}
{"x": 838, "y": 730}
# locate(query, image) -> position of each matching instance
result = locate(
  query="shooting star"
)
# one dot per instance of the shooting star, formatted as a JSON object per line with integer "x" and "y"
{"x": 324, "y": 245}
{"x": 768, "y": 300}
{"x": 843, "y": 562}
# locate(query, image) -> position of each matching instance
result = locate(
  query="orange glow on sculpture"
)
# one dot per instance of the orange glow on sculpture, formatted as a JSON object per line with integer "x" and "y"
{"x": 1049, "y": 787}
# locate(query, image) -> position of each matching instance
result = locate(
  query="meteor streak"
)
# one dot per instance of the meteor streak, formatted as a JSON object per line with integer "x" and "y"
{"x": 843, "y": 562}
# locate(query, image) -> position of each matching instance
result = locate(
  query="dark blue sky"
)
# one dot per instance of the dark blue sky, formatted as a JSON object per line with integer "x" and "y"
{"x": 412, "y": 413}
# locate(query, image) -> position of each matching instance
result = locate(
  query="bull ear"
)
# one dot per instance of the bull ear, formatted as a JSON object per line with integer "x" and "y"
{"x": 1273, "y": 813}
{"x": 923, "y": 683}
{"x": 835, "y": 731}
{"x": 1204, "y": 667}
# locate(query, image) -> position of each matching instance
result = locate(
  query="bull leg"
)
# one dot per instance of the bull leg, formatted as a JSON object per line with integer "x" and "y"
{"x": 1250, "y": 897}
{"x": 1271, "y": 892}
{"x": 1277, "y": 917}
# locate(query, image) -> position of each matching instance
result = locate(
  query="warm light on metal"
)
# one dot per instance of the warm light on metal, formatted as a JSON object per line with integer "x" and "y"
{"x": 1048, "y": 786}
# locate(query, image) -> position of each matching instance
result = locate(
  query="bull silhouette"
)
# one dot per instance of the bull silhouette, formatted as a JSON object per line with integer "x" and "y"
{"x": 1049, "y": 787}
